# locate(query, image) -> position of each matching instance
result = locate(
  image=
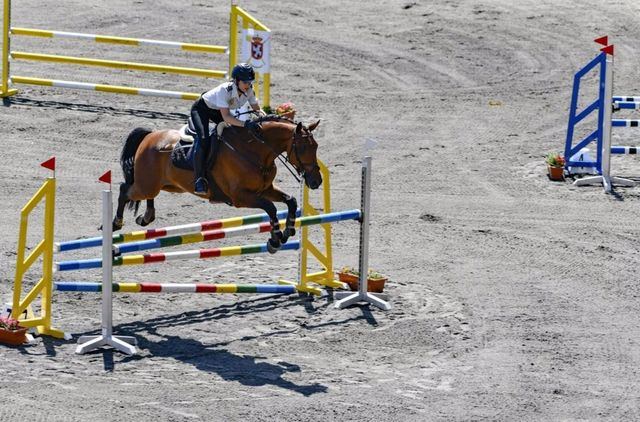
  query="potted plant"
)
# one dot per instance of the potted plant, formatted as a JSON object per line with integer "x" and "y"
{"x": 286, "y": 110}
{"x": 351, "y": 276}
{"x": 11, "y": 332}
{"x": 555, "y": 166}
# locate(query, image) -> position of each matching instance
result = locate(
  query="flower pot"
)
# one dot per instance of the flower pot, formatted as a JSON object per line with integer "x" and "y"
{"x": 15, "y": 337}
{"x": 556, "y": 173}
{"x": 375, "y": 285}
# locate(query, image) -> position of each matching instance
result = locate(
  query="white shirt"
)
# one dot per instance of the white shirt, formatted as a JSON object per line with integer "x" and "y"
{"x": 227, "y": 95}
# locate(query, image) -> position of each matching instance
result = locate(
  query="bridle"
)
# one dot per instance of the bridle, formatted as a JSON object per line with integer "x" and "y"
{"x": 295, "y": 145}
{"x": 293, "y": 151}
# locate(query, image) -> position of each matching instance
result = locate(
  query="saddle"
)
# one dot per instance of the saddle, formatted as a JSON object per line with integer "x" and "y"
{"x": 182, "y": 156}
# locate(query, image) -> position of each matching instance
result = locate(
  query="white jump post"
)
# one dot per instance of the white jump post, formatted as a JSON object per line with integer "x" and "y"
{"x": 605, "y": 178}
{"x": 362, "y": 295}
{"x": 125, "y": 344}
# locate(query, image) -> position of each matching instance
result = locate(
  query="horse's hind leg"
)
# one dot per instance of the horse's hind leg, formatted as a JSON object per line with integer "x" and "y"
{"x": 276, "y": 195}
{"x": 118, "y": 220}
{"x": 149, "y": 214}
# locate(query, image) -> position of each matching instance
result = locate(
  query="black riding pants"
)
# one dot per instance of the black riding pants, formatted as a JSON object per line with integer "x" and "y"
{"x": 199, "y": 123}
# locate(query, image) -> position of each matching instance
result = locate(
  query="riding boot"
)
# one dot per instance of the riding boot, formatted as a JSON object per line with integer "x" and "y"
{"x": 198, "y": 167}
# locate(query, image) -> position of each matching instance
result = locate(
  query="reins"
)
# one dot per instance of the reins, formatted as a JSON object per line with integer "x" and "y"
{"x": 284, "y": 160}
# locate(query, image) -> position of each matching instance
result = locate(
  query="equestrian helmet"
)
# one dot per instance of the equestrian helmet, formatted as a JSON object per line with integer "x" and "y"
{"x": 243, "y": 72}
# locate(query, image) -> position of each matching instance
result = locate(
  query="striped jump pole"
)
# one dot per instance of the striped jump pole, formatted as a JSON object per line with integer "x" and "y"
{"x": 625, "y": 98}
{"x": 200, "y": 48}
{"x": 625, "y": 150}
{"x": 114, "y": 89}
{"x": 625, "y": 122}
{"x": 239, "y": 19}
{"x": 168, "y": 231}
{"x": 231, "y": 232}
{"x": 176, "y": 288}
{"x": 627, "y": 105}
{"x": 85, "y": 264}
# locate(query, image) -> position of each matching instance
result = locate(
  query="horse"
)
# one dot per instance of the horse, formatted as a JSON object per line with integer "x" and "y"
{"x": 243, "y": 171}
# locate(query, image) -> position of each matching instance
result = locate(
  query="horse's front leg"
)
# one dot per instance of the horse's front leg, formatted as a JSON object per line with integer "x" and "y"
{"x": 276, "y": 195}
{"x": 251, "y": 200}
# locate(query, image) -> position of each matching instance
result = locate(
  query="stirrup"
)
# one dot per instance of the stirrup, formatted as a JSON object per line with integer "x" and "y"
{"x": 201, "y": 186}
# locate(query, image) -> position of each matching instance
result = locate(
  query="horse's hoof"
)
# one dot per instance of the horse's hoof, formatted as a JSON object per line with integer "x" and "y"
{"x": 142, "y": 222}
{"x": 273, "y": 246}
{"x": 117, "y": 225}
{"x": 289, "y": 232}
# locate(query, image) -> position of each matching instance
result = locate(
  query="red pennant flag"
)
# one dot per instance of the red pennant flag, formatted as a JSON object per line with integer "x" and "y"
{"x": 607, "y": 50}
{"x": 106, "y": 178}
{"x": 602, "y": 40}
{"x": 50, "y": 164}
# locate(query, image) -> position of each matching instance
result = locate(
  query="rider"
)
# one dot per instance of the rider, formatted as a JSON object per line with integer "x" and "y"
{"x": 214, "y": 105}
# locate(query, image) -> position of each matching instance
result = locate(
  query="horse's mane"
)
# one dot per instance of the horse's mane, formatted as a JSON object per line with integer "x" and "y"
{"x": 274, "y": 118}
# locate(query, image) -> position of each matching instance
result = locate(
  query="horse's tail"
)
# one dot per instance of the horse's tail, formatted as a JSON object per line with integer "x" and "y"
{"x": 127, "y": 158}
{"x": 129, "y": 152}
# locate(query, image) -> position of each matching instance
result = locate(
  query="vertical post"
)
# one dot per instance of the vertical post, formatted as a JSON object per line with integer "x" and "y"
{"x": 47, "y": 257}
{"x": 606, "y": 127}
{"x": 6, "y": 28}
{"x": 363, "y": 295}
{"x": 121, "y": 343}
{"x": 233, "y": 37}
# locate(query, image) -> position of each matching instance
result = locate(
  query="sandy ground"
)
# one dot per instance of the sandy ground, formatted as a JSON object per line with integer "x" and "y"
{"x": 514, "y": 298}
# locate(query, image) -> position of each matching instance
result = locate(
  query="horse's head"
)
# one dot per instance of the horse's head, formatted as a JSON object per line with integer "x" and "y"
{"x": 302, "y": 154}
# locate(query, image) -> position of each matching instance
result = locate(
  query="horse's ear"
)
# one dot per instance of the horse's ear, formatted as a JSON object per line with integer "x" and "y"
{"x": 299, "y": 127}
{"x": 314, "y": 125}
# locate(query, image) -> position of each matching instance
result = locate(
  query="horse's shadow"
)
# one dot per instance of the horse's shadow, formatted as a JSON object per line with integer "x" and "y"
{"x": 247, "y": 370}
{"x": 91, "y": 108}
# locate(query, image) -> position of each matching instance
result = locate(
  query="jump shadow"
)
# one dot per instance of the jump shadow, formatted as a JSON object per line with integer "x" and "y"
{"x": 247, "y": 370}
{"x": 90, "y": 108}
{"x": 216, "y": 358}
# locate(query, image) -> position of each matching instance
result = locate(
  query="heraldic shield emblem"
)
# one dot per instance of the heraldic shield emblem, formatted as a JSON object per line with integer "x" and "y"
{"x": 257, "y": 48}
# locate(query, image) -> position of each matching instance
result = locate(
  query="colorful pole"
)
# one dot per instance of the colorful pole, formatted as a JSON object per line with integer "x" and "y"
{"x": 171, "y": 256}
{"x": 169, "y": 231}
{"x": 175, "y": 288}
{"x": 231, "y": 232}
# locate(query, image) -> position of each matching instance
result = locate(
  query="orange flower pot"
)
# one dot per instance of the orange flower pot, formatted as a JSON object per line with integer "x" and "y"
{"x": 375, "y": 285}
{"x": 556, "y": 173}
{"x": 15, "y": 337}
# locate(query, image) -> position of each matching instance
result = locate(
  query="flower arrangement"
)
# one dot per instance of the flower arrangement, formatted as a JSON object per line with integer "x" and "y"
{"x": 11, "y": 332}
{"x": 555, "y": 160}
{"x": 351, "y": 276}
{"x": 8, "y": 323}
{"x": 286, "y": 109}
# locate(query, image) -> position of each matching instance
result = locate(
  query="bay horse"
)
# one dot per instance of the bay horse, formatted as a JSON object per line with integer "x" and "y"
{"x": 243, "y": 171}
